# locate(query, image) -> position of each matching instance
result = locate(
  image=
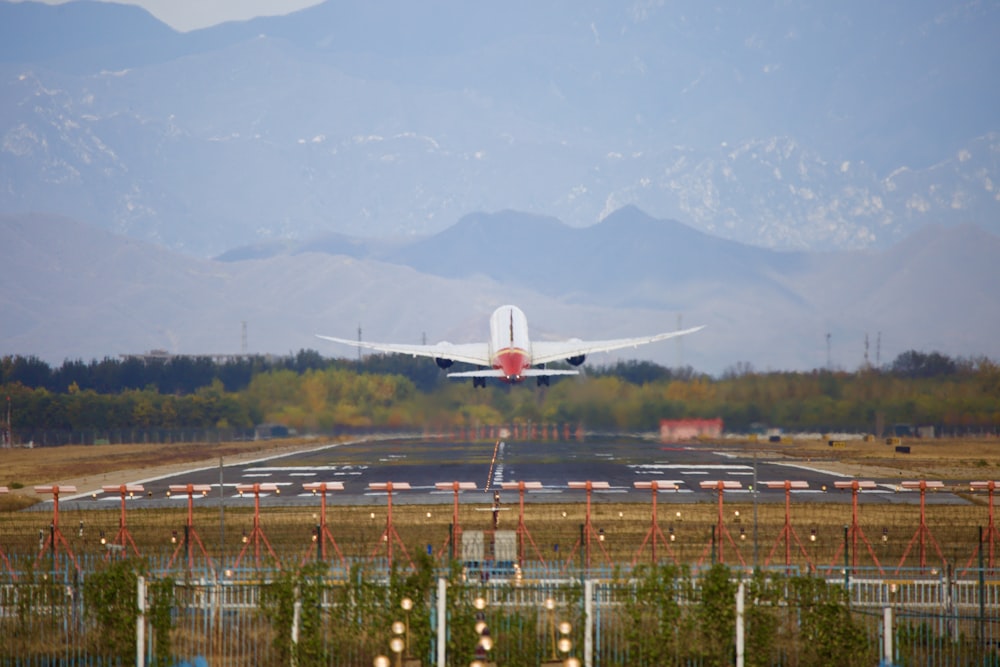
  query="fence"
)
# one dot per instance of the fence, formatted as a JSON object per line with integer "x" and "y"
{"x": 135, "y": 612}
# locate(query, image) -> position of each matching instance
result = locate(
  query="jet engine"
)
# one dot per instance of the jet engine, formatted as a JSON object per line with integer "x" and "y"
{"x": 576, "y": 361}
{"x": 443, "y": 363}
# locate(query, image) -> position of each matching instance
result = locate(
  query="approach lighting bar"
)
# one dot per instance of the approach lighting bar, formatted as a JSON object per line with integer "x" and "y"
{"x": 455, "y": 486}
{"x": 203, "y": 489}
{"x": 724, "y": 484}
{"x": 857, "y": 483}
{"x": 323, "y": 486}
{"x": 123, "y": 488}
{"x": 55, "y": 488}
{"x": 658, "y": 484}
{"x": 786, "y": 485}
{"x": 265, "y": 486}
{"x": 384, "y": 486}
{"x": 514, "y": 486}
{"x": 590, "y": 485}
{"x": 933, "y": 484}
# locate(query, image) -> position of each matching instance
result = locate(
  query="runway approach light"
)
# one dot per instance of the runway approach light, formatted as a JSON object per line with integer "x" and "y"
{"x": 515, "y": 486}
{"x": 856, "y": 484}
{"x": 55, "y": 488}
{"x": 786, "y": 485}
{"x": 316, "y": 487}
{"x": 923, "y": 484}
{"x": 130, "y": 489}
{"x": 203, "y": 489}
{"x": 590, "y": 485}
{"x": 250, "y": 488}
{"x": 385, "y": 486}
{"x": 723, "y": 484}
{"x": 452, "y": 486}
{"x": 658, "y": 484}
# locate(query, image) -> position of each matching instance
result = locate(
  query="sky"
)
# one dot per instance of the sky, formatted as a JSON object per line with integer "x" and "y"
{"x": 185, "y": 15}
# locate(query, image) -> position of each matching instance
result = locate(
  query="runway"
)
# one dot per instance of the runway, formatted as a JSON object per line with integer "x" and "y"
{"x": 422, "y": 464}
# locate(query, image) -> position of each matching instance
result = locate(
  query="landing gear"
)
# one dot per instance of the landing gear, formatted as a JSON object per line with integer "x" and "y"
{"x": 542, "y": 380}
{"x": 478, "y": 382}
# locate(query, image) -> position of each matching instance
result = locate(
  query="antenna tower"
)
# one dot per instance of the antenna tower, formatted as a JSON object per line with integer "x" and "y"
{"x": 679, "y": 339}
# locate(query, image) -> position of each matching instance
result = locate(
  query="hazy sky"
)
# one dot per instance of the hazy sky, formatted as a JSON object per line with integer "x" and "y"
{"x": 193, "y": 14}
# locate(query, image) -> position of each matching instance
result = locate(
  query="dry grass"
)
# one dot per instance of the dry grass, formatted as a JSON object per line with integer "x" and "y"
{"x": 555, "y": 531}
{"x": 945, "y": 459}
{"x": 82, "y": 465}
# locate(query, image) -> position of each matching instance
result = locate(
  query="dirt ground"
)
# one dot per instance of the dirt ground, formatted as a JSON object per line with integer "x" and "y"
{"x": 90, "y": 467}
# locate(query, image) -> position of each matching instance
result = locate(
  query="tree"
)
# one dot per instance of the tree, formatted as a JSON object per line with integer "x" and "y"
{"x": 913, "y": 364}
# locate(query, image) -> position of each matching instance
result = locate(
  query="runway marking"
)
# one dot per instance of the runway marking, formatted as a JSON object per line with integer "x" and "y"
{"x": 291, "y": 469}
{"x": 690, "y": 466}
{"x": 809, "y": 468}
{"x": 256, "y": 474}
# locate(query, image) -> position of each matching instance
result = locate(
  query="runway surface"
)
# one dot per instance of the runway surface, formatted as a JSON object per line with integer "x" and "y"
{"x": 555, "y": 464}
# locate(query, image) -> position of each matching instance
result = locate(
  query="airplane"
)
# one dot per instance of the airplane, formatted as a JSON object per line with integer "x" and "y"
{"x": 510, "y": 355}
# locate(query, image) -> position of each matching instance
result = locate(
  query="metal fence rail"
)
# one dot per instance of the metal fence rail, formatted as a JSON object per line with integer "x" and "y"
{"x": 642, "y": 617}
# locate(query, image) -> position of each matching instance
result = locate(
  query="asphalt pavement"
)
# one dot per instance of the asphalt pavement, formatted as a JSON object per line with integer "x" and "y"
{"x": 559, "y": 469}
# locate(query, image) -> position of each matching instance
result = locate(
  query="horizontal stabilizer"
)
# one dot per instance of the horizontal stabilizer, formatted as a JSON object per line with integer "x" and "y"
{"x": 497, "y": 373}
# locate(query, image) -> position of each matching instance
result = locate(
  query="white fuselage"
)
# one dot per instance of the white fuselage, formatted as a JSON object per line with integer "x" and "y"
{"x": 510, "y": 347}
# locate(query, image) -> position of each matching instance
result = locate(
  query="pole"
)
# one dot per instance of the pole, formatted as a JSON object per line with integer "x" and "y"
{"x": 713, "y": 545}
{"x": 887, "y": 651}
{"x": 740, "y": 649}
{"x": 140, "y": 622}
{"x": 588, "y": 623}
{"x": 982, "y": 592}
{"x": 847, "y": 565}
{"x": 222, "y": 518}
{"x": 755, "y": 561}
{"x": 442, "y": 622}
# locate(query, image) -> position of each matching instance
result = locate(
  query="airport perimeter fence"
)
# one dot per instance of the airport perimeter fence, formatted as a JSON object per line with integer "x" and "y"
{"x": 134, "y": 611}
{"x": 159, "y": 436}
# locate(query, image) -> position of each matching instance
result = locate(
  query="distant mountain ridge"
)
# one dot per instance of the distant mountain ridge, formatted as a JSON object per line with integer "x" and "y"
{"x": 798, "y": 127}
{"x": 73, "y": 291}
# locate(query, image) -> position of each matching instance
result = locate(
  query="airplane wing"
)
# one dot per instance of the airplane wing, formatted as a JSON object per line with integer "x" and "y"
{"x": 470, "y": 353}
{"x": 546, "y": 351}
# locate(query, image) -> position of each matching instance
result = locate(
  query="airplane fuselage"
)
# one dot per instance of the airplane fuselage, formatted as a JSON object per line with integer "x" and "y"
{"x": 510, "y": 347}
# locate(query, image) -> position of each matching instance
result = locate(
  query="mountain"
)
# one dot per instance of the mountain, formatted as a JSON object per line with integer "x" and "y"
{"x": 615, "y": 261}
{"x": 71, "y": 290}
{"x": 796, "y": 126}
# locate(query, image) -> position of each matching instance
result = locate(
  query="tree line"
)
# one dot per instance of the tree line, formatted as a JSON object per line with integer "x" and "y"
{"x": 310, "y": 393}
